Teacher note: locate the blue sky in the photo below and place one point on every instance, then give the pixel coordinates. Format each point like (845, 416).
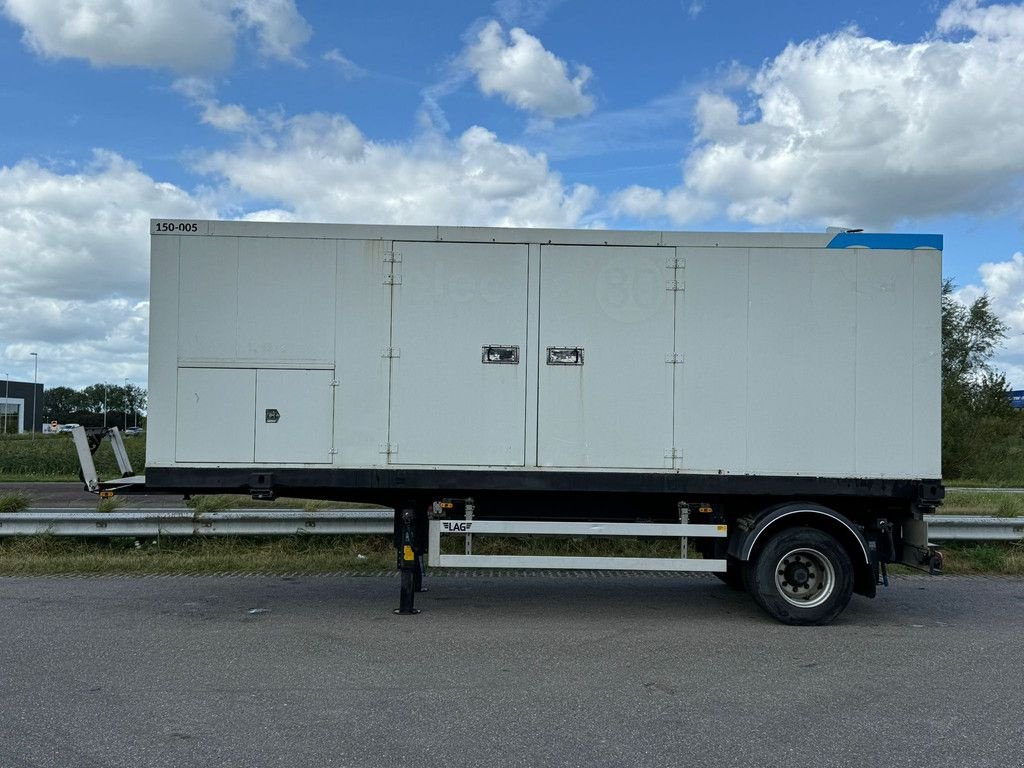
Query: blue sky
(692, 114)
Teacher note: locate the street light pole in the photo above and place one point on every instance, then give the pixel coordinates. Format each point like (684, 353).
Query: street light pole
(126, 405)
(104, 405)
(35, 378)
(7, 404)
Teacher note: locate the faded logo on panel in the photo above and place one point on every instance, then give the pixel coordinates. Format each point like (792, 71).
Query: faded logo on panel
(630, 290)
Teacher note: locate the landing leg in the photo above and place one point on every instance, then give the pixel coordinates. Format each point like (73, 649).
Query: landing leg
(422, 527)
(408, 562)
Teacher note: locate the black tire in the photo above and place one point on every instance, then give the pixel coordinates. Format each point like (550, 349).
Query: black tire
(733, 576)
(801, 576)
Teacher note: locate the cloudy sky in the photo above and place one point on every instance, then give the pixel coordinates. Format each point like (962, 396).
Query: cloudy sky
(691, 114)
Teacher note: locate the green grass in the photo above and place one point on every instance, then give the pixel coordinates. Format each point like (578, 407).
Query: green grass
(43, 555)
(14, 502)
(963, 557)
(109, 504)
(986, 504)
(215, 503)
(52, 458)
(224, 501)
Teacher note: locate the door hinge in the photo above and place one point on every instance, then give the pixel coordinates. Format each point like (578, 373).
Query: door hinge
(388, 449)
(332, 452)
(335, 383)
(391, 352)
(393, 276)
(676, 358)
(676, 262)
(675, 285)
(674, 454)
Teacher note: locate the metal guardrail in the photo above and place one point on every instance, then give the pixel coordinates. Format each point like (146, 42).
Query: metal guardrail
(974, 528)
(185, 522)
(340, 522)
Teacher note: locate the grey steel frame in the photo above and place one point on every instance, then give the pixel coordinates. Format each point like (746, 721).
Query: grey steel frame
(469, 528)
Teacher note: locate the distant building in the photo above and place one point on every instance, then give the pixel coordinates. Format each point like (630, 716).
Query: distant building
(1017, 398)
(16, 406)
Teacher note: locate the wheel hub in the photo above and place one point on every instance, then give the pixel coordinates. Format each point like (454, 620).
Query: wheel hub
(805, 578)
(798, 575)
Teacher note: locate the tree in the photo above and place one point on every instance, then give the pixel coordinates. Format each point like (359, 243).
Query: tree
(970, 336)
(976, 412)
(134, 400)
(61, 404)
(85, 406)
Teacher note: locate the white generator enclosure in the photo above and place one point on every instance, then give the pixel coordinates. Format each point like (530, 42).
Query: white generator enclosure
(771, 401)
(327, 347)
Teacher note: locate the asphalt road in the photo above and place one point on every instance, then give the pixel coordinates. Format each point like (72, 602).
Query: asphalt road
(579, 670)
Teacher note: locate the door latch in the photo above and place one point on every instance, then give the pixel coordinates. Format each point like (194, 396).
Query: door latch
(565, 355)
(508, 355)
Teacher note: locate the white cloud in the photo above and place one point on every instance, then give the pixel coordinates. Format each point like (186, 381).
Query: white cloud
(526, 75)
(232, 118)
(635, 200)
(853, 130)
(279, 28)
(321, 167)
(694, 8)
(185, 36)
(991, 21)
(79, 342)
(74, 267)
(646, 203)
(1003, 281)
(348, 68)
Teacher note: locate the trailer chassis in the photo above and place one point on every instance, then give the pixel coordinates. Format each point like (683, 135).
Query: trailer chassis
(800, 546)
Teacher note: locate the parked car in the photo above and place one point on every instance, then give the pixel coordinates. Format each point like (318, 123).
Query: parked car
(133, 431)
(67, 427)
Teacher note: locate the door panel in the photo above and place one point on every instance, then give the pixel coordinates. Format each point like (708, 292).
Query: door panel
(458, 371)
(606, 331)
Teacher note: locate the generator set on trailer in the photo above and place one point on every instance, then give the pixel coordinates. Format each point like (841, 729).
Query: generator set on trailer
(769, 400)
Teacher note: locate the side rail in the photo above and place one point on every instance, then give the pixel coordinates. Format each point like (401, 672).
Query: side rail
(471, 528)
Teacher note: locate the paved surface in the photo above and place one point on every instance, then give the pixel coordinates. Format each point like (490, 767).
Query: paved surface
(73, 496)
(582, 670)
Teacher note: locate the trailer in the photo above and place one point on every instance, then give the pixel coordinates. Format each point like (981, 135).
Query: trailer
(772, 400)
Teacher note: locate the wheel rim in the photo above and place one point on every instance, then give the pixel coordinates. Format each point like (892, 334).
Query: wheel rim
(805, 578)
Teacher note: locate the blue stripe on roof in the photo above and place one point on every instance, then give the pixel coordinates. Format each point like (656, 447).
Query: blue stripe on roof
(882, 240)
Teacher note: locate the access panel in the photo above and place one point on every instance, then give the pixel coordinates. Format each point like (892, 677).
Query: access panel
(227, 286)
(606, 356)
(294, 416)
(214, 415)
